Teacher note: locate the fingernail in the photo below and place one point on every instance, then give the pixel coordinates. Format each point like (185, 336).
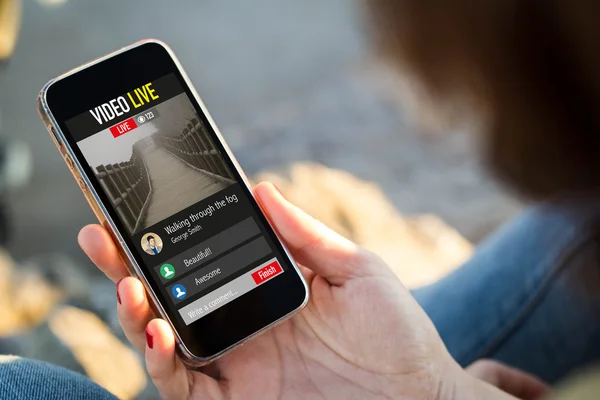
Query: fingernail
(149, 339)
(118, 296)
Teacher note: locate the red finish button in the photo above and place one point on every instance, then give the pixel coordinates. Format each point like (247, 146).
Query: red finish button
(123, 127)
(267, 272)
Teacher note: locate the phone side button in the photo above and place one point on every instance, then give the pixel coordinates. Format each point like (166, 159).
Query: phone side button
(82, 184)
(56, 137)
(69, 161)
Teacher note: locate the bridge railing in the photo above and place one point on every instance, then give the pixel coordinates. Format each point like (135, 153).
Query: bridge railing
(128, 187)
(195, 147)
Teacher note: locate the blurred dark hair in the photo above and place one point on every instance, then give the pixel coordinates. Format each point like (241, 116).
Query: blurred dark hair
(149, 238)
(530, 68)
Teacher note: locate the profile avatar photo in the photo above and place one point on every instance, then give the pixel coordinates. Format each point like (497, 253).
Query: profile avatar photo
(152, 243)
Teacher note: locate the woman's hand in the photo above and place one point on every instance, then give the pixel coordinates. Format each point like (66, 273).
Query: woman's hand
(361, 336)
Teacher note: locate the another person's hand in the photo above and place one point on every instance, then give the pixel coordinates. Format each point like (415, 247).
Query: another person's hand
(361, 336)
(518, 383)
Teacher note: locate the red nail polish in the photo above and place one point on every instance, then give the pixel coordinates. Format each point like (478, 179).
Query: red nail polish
(149, 338)
(118, 296)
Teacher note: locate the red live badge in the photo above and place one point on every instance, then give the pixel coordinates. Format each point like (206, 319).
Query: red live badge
(123, 127)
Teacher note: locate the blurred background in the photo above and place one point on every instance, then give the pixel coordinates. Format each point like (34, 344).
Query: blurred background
(299, 96)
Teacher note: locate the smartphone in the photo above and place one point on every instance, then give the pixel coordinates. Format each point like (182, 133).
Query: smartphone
(159, 176)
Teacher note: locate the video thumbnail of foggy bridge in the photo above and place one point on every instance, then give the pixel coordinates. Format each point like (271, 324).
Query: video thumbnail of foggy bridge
(164, 175)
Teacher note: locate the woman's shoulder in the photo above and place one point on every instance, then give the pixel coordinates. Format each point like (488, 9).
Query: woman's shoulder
(582, 386)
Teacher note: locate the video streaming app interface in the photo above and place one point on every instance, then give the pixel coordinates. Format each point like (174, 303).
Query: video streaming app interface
(177, 198)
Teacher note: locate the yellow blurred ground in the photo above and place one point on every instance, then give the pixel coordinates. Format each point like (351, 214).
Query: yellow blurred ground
(10, 20)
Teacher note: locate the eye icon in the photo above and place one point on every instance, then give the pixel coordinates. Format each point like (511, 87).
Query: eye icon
(141, 119)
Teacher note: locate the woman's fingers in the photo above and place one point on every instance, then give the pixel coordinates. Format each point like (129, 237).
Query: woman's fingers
(134, 311)
(154, 338)
(169, 375)
(100, 248)
(312, 244)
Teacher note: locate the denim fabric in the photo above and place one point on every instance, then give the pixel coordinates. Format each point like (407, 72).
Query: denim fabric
(22, 379)
(519, 299)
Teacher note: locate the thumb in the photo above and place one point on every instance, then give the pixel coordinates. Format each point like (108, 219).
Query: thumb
(311, 243)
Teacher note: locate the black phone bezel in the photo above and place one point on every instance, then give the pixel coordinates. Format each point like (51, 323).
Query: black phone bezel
(206, 338)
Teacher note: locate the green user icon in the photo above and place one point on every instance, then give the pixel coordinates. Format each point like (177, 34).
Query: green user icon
(167, 271)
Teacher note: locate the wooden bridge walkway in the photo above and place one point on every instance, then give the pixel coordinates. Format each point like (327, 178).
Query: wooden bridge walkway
(175, 185)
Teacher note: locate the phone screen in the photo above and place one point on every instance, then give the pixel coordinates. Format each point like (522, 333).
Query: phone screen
(180, 205)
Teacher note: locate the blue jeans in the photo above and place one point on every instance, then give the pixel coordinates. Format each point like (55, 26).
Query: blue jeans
(22, 379)
(518, 300)
(521, 298)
